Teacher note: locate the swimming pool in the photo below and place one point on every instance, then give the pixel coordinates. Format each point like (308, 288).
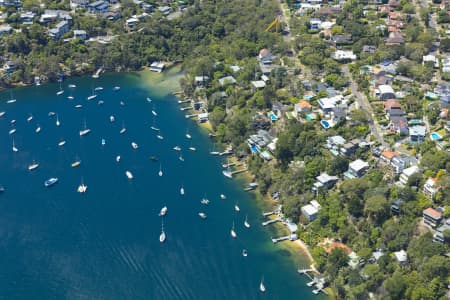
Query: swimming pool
(310, 117)
(435, 136)
(273, 117)
(325, 124)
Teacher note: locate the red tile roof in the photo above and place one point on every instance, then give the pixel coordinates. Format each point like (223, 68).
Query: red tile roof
(433, 213)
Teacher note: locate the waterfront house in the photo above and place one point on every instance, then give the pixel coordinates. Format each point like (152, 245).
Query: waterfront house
(432, 217)
(98, 7)
(59, 30)
(342, 39)
(203, 117)
(311, 210)
(228, 80)
(407, 173)
(5, 29)
(417, 134)
(201, 80)
(265, 56)
(324, 180)
(258, 141)
(439, 234)
(430, 188)
(401, 257)
(357, 168)
(80, 34)
(302, 107)
(157, 66)
(9, 67)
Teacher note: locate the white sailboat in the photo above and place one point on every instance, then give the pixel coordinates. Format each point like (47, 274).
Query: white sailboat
(58, 123)
(92, 97)
(103, 142)
(30, 118)
(182, 190)
(236, 207)
(159, 136)
(11, 99)
(163, 211)
(12, 131)
(233, 232)
(246, 223)
(111, 119)
(162, 236)
(262, 287)
(202, 215)
(129, 175)
(118, 158)
(14, 148)
(61, 143)
(223, 197)
(2, 113)
(61, 91)
(122, 131)
(188, 136)
(33, 166)
(153, 127)
(85, 130)
(160, 173)
(76, 163)
(134, 145)
(38, 128)
(244, 253)
(82, 188)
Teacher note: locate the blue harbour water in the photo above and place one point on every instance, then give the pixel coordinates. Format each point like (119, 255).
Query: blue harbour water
(58, 244)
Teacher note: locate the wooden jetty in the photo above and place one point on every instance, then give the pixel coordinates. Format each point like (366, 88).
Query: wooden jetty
(268, 213)
(271, 221)
(239, 171)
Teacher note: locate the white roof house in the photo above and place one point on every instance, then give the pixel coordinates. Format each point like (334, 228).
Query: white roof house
(446, 64)
(407, 173)
(327, 25)
(401, 256)
(157, 66)
(430, 58)
(357, 168)
(344, 55)
(310, 212)
(386, 92)
(227, 80)
(235, 68)
(5, 29)
(328, 104)
(258, 84)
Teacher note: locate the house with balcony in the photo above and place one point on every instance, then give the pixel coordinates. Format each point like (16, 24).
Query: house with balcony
(357, 169)
(432, 217)
(430, 188)
(98, 7)
(59, 30)
(324, 181)
(407, 173)
(417, 134)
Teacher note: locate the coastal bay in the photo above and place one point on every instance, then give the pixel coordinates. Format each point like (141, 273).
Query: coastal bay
(57, 243)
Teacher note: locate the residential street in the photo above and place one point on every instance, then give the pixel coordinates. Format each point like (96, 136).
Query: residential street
(364, 104)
